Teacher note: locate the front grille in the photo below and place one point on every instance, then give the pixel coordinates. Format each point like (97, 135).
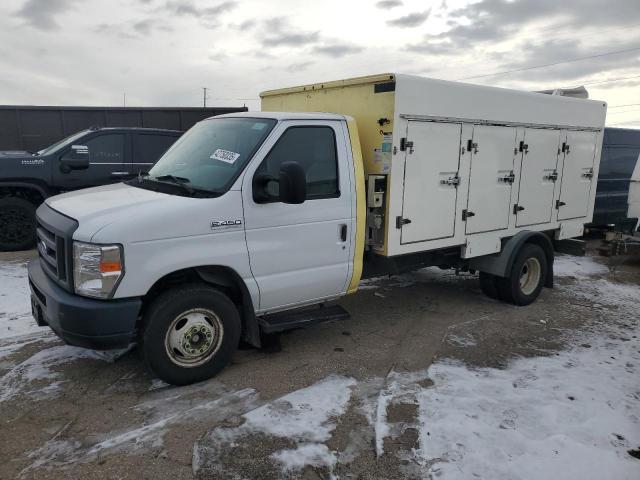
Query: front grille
(54, 232)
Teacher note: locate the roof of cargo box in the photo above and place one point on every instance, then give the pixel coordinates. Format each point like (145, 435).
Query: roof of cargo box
(412, 96)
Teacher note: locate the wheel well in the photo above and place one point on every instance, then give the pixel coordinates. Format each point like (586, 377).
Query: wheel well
(30, 194)
(223, 279)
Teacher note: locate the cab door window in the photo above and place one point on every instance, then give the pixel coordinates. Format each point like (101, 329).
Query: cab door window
(314, 148)
(106, 149)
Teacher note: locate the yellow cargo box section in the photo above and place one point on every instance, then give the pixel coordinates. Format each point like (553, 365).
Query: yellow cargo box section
(369, 100)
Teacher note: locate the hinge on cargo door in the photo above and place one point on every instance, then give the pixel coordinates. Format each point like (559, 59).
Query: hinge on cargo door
(455, 181)
(559, 204)
(509, 178)
(406, 145)
(517, 208)
(401, 221)
(471, 145)
(588, 173)
(466, 214)
(565, 148)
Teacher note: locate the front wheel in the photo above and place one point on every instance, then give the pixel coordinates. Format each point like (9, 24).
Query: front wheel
(190, 334)
(526, 278)
(17, 224)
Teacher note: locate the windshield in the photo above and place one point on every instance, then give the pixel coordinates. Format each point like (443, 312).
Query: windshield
(62, 143)
(213, 152)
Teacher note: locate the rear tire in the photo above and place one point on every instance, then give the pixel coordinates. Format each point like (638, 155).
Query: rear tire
(17, 224)
(526, 278)
(489, 285)
(190, 334)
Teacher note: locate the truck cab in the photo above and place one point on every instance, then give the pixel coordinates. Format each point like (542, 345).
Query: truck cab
(95, 156)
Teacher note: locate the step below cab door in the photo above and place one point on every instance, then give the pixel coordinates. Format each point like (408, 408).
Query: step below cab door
(432, 161)
(302, 253)
(579, 150)
(492, 155)
(538, 176)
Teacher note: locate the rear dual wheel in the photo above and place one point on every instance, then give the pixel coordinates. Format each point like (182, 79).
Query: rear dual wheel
(524, 281)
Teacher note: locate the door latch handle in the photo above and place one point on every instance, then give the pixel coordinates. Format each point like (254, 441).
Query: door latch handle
(343, 232)
(552, 176)
(517, 208)
(455, 181)
(508, 179)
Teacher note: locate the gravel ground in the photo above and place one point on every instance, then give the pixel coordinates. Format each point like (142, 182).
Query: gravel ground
(427, 379)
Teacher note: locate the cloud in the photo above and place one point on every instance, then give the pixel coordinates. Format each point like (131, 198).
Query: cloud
(337, 50)
(411, 20)
(278, 32)
(246, 25)
(190, 8)
(388, 4)
(41, 13)
(298, 67)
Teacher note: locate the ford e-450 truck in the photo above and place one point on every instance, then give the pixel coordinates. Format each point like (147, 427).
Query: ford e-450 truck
(252, 222)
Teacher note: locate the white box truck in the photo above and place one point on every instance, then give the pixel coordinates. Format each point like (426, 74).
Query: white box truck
(252, 222)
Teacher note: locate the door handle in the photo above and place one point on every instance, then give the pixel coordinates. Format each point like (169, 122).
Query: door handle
(343, 232)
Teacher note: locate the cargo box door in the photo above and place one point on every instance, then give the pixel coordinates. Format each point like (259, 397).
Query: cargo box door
(430, 181)
(538, 176)
(492, 155)
(577, 174)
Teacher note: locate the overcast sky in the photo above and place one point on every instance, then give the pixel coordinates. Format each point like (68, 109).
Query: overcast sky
(162, 52)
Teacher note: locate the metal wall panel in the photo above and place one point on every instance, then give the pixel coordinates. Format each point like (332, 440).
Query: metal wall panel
(34, 127)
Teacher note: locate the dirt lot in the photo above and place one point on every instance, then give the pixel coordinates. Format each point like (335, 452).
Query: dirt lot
(429, 378)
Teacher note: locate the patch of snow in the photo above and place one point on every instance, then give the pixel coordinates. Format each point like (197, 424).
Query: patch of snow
(305, 417)
(577, 267)
(171, 407)
(15, 302)
(36, 378)
(548, 417)
(313, 454)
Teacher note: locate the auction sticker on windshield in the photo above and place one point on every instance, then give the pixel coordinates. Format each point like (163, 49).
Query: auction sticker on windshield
(225, 155)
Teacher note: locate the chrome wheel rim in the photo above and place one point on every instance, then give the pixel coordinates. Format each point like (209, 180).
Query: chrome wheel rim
(530, 276)
(193, 337)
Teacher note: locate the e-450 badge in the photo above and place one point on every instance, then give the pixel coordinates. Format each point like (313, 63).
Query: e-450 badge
(225, 223)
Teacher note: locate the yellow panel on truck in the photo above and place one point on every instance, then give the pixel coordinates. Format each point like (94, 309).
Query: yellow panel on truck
(369, 100)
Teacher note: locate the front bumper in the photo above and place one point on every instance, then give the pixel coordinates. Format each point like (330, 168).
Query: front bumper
(80, 321)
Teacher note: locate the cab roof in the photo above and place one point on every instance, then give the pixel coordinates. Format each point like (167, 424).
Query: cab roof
(284, 115)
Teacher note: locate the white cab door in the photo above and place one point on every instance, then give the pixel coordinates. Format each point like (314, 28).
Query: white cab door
(489, 201)
(301, 253)
(538, 176)
(577, 175)
(430, 181)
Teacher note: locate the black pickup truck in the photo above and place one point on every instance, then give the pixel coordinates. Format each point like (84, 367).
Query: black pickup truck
(96, 156)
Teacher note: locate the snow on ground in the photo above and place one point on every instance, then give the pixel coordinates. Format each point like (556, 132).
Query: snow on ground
(305, 417)
(203, 402)
(578, 267)
(15, 303)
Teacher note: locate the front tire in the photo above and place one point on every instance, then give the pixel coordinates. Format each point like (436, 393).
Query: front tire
(17, 224)
(190, 334)
(527, 277)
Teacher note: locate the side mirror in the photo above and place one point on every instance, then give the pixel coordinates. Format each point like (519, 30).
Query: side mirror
(289, 187)
(75, 159)
(293, 183)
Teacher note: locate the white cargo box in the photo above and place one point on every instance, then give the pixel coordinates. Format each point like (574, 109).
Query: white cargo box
(452, 164)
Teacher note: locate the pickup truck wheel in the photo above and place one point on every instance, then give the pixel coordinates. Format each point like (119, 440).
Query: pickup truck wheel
(527, 276)
(489, 285)
(17, 224)
(189, 334)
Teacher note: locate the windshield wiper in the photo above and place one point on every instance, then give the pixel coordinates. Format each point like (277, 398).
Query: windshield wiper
(181, 181)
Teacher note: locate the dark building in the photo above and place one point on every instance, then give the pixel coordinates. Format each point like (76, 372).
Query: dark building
(33, 128)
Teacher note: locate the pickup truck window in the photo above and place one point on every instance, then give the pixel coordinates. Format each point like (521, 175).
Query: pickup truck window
(150, 147)
(60, 144)
(106, 148)
(314, 148)
(213, 152)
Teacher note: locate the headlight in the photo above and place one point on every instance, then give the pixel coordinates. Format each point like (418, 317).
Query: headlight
(97, 269)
